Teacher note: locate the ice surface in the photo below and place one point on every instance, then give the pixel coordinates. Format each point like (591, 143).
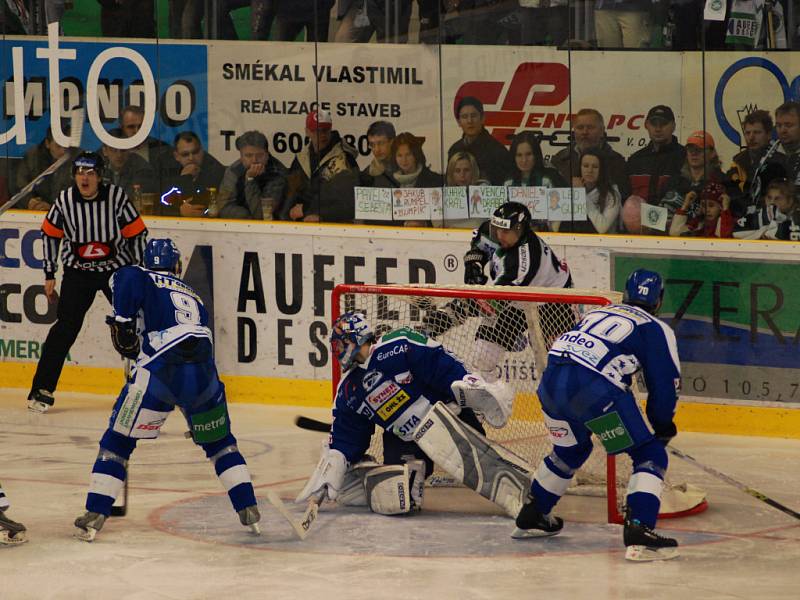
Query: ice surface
(181, 539)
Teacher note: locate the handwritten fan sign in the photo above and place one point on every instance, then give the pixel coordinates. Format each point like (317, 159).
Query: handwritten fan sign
(373, 204)
(484, 199)
(455, 203)
(566, 204)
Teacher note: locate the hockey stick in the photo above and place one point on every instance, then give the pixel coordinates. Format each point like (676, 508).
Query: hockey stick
(76, 129)
(312, 424)
(301, 527)
(737, 484)
(121, 509)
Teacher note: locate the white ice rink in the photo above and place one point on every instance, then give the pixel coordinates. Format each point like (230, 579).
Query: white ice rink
(182, 540)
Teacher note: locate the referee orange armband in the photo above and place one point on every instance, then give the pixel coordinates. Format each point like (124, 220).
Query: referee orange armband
(133, 228)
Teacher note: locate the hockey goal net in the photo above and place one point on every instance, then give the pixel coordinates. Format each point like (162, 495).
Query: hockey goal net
(503, 333)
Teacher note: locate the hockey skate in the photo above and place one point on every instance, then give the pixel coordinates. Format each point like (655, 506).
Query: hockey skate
(644, 544)
(40, 401)
(11, 532)
(531, 523)
(250, 517)
(88, 525)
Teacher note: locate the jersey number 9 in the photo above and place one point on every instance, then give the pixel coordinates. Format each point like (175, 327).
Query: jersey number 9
(186, 310)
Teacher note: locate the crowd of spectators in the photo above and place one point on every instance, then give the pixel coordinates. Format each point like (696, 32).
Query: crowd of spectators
(580, 24)
(665, 188)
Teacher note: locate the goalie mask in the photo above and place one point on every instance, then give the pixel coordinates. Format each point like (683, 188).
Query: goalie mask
(509, 223)
(162, 255)
(350, 331)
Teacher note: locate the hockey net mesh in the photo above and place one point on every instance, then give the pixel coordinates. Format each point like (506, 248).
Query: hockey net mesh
(502, 339)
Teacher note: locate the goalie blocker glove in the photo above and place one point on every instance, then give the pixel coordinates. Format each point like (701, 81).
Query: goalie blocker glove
(492, 400)
(123, 336)
(327, 478)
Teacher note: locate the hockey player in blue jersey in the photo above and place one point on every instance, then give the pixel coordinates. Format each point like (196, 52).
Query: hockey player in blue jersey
(585, 389)
(161, 323)
(413, 388)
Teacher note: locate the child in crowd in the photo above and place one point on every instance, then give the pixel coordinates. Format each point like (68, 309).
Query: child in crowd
(712, 216)
(777, 219)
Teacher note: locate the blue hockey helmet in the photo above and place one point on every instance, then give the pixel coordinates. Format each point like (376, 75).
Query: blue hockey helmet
(644, 289)
(350, 331)
(162, 255)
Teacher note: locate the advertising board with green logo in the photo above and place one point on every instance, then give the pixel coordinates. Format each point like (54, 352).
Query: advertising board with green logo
(737, 323)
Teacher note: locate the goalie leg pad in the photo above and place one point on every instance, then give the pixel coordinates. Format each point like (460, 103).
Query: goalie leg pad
(388, 489)
(488, 468)
(353, 492)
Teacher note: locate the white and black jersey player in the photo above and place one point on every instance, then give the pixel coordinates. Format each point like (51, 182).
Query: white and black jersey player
(515, 256)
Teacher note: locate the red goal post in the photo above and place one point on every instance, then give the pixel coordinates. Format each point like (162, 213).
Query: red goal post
(462, 318)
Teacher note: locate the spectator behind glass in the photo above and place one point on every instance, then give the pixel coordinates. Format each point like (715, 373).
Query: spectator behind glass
(185, 19)
(379, 136)
(712, 214)
(651, 168)
(529, 169)
(312, 15)
(409, 169)
(589, 133)
(463, 171)
(254, 186)
(126, 169)
(36, 160)
(323, 175)
(151, 149)
(759, 152)
(787, 125)
(543, 23)
(493, 158)
(603, 201)
(777, 216)
(16, 18)
(192, 173)
(702, 166)
(389, 20)
(127, 18)
(624, 23)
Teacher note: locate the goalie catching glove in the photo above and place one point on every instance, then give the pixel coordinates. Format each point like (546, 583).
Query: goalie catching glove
(123, 336)
(328, 478)
(492, 400)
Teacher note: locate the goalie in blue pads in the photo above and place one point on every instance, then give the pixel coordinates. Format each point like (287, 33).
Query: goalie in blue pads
(413, 388)
(585, 389)
(160, 323)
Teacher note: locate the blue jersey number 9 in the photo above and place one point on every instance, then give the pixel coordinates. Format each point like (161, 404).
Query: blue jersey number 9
(186, 310)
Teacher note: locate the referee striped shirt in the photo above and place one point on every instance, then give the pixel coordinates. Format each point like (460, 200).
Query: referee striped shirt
(99, 235)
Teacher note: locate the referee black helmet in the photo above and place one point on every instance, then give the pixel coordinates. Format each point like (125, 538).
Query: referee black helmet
(90, 161)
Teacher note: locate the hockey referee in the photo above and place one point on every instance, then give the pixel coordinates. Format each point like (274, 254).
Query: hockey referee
(101, 232)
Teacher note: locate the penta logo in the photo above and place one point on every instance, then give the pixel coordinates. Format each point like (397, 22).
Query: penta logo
(93, 251)
(534, 84)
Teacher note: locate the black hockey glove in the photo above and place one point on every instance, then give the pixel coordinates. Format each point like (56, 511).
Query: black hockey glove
(124, 338)
(664, 432)
(473, 269)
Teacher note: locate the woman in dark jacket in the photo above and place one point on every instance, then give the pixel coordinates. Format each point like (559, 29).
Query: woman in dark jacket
(409, 169)
(529, 169)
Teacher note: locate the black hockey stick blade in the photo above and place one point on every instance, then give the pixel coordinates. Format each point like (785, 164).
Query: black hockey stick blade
(312, 424)
(737, 484)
